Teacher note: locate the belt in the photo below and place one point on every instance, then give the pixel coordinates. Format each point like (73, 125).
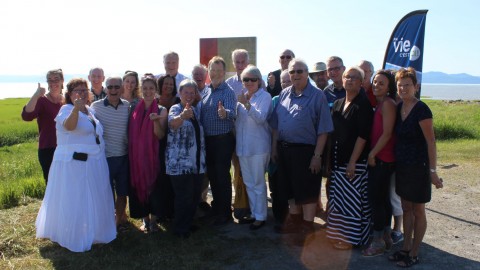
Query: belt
(284, 144)
(220, 135)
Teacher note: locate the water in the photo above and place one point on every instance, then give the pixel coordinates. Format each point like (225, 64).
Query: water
(432, 91)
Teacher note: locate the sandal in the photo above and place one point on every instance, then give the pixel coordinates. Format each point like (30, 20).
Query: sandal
(399, 255)
(408, 262)
(342, 245)
(145, 226)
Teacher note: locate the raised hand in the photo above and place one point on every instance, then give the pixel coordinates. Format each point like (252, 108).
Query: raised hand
(187, 112)
(40, 91)
(242, 98)
(79, 103)
(222, 113)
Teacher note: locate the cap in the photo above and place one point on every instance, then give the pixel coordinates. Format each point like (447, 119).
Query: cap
(320, 66)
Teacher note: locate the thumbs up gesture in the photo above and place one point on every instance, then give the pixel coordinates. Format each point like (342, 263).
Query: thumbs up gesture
(222, 113)
(40, 91)
(187, 112)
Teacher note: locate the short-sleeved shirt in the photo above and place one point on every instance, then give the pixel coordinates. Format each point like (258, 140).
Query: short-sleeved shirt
(411, 147)
(115, 123)
(102, 95)
(354, 122)
(182, 146)
(300, 119)
(211, 122)
(45, 112)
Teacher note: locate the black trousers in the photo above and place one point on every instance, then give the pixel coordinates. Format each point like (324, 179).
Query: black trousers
(187, 188)
(45, 157)
(219, 150)
(379, 193)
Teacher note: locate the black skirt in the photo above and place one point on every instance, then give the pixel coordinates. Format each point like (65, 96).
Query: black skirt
(413, 182)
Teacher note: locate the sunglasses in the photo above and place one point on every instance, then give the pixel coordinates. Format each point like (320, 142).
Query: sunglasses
(286, 56)
(298, 71)
(110, 87)
(250, 79)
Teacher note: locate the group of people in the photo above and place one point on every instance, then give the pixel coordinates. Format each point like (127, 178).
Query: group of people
(140, 138)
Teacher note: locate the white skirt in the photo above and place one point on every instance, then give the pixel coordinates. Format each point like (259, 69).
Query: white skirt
(78, 210)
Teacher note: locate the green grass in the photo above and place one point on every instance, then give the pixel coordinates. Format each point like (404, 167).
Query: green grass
(20, 174)
(459, 120)
(14, 130)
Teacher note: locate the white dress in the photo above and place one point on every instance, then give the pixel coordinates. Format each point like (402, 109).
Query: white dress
(78, 210)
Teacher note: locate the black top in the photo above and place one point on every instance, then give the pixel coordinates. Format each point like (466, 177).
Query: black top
(356, 121)
(278, 86)
(411, 146)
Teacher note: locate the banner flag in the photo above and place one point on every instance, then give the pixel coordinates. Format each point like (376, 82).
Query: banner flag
(405, 47)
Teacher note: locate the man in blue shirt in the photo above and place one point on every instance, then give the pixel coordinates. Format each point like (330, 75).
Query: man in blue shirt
(335, 69)
(218, 116)
(300, 123)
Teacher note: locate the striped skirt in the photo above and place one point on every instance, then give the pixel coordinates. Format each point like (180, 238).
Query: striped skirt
(349, 212)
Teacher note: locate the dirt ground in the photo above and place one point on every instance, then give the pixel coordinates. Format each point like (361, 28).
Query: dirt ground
(452, 240)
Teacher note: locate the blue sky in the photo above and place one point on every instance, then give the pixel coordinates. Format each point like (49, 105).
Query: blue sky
(120, 35)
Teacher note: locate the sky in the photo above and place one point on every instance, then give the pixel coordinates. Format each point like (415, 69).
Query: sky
(120, 35)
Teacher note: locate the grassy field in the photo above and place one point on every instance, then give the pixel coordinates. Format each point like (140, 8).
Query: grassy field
(235, 247)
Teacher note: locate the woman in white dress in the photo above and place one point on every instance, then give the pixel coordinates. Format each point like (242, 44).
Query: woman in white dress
(77, 210)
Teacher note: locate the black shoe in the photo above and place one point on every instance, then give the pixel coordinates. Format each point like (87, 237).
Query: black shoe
(222, 221)
(246, 220)
(307, 227)
(288, 227)
(254, 227)
(204, 206)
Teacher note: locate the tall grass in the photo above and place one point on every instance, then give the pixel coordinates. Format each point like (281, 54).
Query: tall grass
(453, 121)
(14, 130)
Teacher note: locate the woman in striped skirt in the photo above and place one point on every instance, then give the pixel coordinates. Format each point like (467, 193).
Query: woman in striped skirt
(348, 208)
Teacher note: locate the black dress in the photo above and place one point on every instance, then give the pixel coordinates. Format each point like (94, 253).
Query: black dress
(413, 182)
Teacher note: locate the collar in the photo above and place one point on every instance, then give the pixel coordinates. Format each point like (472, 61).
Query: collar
(107, 103)
(307, 91)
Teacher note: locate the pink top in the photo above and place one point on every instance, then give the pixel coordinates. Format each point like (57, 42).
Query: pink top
(45, 112)
(387, 152)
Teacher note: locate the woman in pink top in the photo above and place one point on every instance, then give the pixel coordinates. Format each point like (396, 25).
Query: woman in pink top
(44, 107)
(381, 161)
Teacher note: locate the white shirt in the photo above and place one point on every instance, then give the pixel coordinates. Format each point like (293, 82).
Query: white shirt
(253, 133)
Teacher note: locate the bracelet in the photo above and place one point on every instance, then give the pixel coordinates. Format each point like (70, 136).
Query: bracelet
(433, 171)
(317, 156)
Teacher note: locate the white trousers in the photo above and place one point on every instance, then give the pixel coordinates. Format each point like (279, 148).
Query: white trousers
(253, 173)
(395, 199)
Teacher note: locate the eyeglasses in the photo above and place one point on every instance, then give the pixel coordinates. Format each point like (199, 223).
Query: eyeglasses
(298, 71)
(286, 56)
(336, 69)
(80, 91)
(350, 78)
(110, 87)
(250, 79)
